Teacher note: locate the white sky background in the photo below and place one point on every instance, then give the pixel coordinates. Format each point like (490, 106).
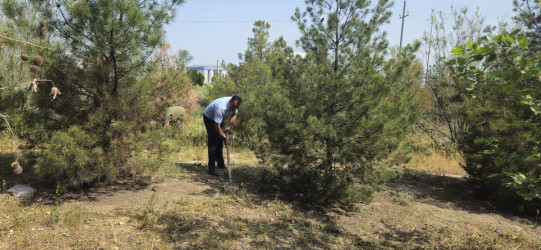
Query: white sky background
(214, 30)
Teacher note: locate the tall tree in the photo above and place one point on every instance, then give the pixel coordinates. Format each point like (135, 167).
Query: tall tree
(529, 15)
(344, 106)
(183, 58)
(103, 46)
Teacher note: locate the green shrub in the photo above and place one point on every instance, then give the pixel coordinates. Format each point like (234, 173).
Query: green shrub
(72, 159)
(196, 77)
(501, 146)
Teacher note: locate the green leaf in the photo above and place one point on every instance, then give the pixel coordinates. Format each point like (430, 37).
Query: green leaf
(523, 42)
(499, 161)
(458, 50)
(526, 135)
(461, 61)
(464, 80)
(515, 32)
(510, 38)
(496, 38)
(482, 40)
(491, 57)
(489, 151)
(495, 85)
(450, 63)
(494, 175)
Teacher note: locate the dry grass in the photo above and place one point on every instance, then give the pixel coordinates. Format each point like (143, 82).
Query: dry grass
(429, 159)
(438, 163)
(50, 227)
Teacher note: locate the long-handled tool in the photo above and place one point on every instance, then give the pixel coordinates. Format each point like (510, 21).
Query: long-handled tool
(229, 186)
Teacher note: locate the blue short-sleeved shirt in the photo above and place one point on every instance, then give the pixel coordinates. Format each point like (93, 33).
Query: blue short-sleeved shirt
(218, 109)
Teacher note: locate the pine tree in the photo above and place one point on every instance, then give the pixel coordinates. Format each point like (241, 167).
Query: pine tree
(529, 16)
(264, 64)
(100, 61)
(345, 106)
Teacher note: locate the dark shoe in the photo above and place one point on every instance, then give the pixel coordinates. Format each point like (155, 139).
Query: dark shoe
(212, 171)
(222, 167)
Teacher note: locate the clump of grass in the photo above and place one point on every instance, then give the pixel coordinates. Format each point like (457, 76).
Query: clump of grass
(150, 213)
(243, 196)
(74, 216)
(403, 198)
(476, 242)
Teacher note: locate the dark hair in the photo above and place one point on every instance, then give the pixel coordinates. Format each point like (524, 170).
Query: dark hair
(236, 98)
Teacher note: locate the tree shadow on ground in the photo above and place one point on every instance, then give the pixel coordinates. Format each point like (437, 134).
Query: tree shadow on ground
(186, 231)
(49, 196)
(260, 181)
(92, 193)
(448, 192)
(262, 184)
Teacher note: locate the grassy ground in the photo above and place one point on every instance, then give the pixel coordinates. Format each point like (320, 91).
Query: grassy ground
(185, 208)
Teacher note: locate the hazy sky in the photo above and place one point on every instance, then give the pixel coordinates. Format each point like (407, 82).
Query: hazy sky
(219, 29)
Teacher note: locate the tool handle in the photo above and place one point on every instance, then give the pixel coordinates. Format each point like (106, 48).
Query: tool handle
(228, 159)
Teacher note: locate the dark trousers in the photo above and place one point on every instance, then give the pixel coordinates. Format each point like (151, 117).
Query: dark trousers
(215, 144)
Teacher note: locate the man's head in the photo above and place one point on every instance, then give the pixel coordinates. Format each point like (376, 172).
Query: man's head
(234, 102)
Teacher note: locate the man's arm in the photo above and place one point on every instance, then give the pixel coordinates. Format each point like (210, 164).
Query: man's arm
(231, 122)
(221, 133)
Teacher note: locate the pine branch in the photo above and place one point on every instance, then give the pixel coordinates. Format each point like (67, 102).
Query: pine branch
(24, 42)
(27, 83)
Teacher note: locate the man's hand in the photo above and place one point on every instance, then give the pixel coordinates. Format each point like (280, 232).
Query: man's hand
(228, 129)
(226, 142)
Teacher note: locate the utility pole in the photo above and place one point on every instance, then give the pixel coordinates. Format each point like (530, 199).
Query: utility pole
(428, 57)
(402, 30)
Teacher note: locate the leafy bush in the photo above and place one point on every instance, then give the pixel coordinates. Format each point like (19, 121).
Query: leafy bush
(501, 148)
